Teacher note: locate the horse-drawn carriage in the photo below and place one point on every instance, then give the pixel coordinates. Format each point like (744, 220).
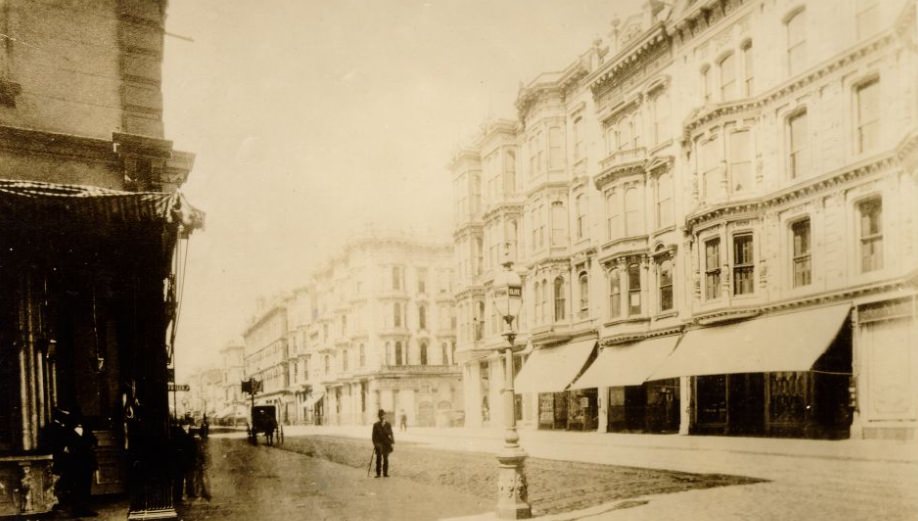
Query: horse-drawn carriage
(264, 421)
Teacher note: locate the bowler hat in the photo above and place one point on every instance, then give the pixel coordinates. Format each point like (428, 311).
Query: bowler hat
(381, 413)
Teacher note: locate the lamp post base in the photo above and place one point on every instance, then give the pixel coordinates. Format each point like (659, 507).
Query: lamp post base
(512, 490)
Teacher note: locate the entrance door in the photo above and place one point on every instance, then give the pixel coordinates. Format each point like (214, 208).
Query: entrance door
(746, 403)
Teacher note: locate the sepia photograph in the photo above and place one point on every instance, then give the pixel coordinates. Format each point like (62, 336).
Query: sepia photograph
(458, 260)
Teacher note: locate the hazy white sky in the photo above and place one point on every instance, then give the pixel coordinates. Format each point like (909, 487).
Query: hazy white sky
(311, 118)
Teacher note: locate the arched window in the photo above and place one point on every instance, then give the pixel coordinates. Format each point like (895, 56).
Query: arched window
(634, 289)
(543, 302)
(665, 283)
(584, 280)
(613, 214)
(560, 301)
(632, 212)
(664, 200)
(580, 225)
(796, 42)
(423, 350)
(615, 294)
(398, 353)
(422, 316)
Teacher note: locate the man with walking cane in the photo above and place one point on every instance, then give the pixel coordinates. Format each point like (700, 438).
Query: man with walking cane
(383, 440)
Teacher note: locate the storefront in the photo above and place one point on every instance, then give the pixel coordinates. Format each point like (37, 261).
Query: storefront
(784, 375)
(548, 373)
(88, 279)
(634, 404)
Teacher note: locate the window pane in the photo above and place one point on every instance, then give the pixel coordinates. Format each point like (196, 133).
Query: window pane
(868, 115)
(796, 43)
(632, 212)
(712, 268)
(798, 145)
(743, 269)
(728, 78)
(740, 161)
(749, 67)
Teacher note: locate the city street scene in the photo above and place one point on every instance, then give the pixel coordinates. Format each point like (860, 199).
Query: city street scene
(458, 260)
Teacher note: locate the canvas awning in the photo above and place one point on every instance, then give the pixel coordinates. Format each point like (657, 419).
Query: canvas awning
(312, 400)
(787, 342)
(32, 201)
(552, 369)
(630, 364)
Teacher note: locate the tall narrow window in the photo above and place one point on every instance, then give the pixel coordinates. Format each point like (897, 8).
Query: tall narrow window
(867, 17)
(664, 200)
(728, 77)
(661, 117)
(748, 69)
(555, 148)
(743, 265)
(580, 204)
(560, 301)
(871, 234)
(444, 354)
(540, 216)
(706, 84)
(396, 315)
(533, 156)
(634, 289)
(584, 280)
(800, 232)
(543, 302)
(797, 143)
(537, 291)
(711, 157)
(633, 209)
(868, 116)
(615, 294)
(344, 360)
(423, 354)
(398, 354)
(665, 278)
(396, 278)
(422, 280)
(363, 355)
(510, 241)
(577, 129)
(796, 43)
(740, 161)
(613, 211)
(558, 224)
(712, 269)
(422, 316)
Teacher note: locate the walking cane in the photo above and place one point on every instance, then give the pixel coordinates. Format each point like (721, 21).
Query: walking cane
(370, 465)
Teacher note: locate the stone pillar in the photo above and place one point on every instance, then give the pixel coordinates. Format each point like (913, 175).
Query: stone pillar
(602, 397)
(685, 402)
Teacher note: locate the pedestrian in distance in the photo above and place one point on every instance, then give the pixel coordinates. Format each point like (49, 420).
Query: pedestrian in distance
(57, 434)
(270, 427)
(402, 421)
(383, 440)
(200, 481)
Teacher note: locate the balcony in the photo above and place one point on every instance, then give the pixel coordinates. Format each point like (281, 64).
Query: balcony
(621, 163)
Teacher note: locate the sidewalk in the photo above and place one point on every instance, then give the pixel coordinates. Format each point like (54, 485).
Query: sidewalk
(812, 479)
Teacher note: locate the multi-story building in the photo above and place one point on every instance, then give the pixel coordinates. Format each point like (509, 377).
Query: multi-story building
(232, 404)
(266, 356)
(373, 329)
(719, 196)
(90, 221)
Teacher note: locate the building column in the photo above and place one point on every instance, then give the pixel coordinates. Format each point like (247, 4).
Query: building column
(685, 401)
(602, 399)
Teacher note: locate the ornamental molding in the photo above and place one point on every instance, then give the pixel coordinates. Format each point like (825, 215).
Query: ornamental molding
(702, 17)
(709, 113)
(468, 228)
(547, 186)
(618, 171)
(549, 84)
(628, 59)
(636, 336)
(503, 209)
(36, 142)
(820, 184)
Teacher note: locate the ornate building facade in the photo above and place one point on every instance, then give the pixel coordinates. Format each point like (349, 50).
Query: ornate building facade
(374, 329)
(713, 220)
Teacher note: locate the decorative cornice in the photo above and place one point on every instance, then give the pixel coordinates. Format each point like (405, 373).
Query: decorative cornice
(819, 184)
(503, 208)
(468, 228)
(546, 186)
(709, 113)
(726, 315)
(633, 54)
(624, 338)
(48, 143)
(618, 171)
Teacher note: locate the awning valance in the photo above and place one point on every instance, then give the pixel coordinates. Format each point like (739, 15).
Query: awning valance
(25, 201)
(786, 342)
(630, 364)
(552, 369)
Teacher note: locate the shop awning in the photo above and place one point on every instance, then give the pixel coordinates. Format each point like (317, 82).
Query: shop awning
(312, 400)
(552, 369)
(787, 342)
(23, 201)
(631, 364)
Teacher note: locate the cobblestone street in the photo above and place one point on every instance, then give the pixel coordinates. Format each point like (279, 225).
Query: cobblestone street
(554, 486)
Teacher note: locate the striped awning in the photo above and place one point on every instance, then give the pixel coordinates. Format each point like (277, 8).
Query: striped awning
(32, 201)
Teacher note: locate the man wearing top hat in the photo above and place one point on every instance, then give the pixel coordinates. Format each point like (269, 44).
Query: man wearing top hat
(382, 444)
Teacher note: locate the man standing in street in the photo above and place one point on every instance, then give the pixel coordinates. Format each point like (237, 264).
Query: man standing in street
(383, 440)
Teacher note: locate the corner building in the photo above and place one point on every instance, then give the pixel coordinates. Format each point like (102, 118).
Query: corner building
(715, 227)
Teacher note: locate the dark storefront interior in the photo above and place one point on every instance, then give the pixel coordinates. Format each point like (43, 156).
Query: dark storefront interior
(810, 404)
(569, 410)
(652, 407)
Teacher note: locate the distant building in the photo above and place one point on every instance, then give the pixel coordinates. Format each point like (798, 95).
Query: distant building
(90, 222)
(713, 214)
(372, 330)
(233, 405)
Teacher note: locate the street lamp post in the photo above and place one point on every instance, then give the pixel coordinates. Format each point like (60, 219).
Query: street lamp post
(512, 492)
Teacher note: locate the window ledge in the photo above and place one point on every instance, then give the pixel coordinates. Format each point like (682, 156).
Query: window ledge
(617, 321)
(668, 314)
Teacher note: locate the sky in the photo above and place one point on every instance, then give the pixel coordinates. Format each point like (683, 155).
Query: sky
(313, 119)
